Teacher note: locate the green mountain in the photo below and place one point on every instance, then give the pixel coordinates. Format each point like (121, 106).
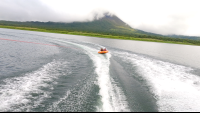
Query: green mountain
(185, 37)
(108, 26)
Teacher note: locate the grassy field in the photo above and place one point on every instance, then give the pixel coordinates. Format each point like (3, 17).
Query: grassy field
(96, 35)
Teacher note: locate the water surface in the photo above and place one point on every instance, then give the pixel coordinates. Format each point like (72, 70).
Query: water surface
(56, 72)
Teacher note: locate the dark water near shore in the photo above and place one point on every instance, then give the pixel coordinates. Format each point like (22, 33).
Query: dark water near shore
(55, 72)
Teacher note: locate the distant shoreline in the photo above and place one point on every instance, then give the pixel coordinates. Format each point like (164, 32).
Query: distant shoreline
(96, 35)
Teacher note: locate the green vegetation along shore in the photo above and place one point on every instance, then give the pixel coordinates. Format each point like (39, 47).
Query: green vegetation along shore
(162, 40)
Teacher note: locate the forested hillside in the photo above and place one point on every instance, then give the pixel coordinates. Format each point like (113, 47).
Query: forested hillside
(107, 25)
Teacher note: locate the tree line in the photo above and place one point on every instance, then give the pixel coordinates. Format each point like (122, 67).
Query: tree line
(100, 27)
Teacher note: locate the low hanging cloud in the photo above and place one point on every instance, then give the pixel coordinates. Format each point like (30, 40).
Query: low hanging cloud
(31, 10)
(175, 24)
(37, 10)
(156, 16)
(21, 10)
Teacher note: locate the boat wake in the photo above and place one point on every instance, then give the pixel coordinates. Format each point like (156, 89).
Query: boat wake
(27, 91)
(112, 97)
(174, 86)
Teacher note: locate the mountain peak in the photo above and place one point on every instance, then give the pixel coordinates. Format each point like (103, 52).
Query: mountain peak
(111, 18)
(98, 16)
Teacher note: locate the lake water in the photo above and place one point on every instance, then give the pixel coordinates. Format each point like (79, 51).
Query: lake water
(48, 72)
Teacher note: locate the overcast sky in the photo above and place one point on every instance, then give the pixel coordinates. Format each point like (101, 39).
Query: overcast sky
(181, 17)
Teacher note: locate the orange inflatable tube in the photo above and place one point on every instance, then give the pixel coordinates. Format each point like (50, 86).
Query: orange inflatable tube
(103, 52)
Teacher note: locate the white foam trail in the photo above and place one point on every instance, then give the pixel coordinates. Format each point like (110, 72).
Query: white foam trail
(112, 97)
(174, 87)
(17, 91)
